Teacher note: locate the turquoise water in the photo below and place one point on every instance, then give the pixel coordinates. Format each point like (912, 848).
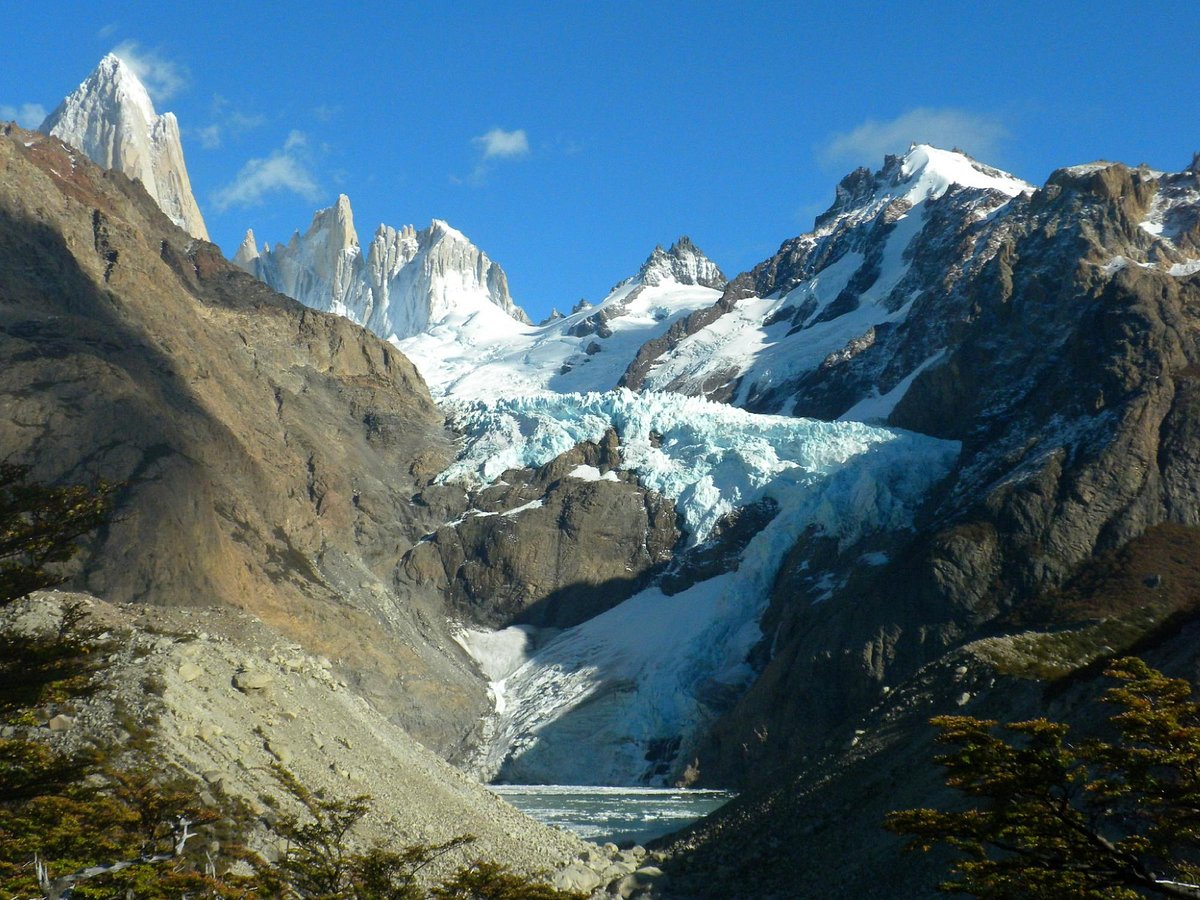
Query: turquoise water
(622, 815)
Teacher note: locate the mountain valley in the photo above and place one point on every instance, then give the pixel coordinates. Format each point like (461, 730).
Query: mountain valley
(940, 454)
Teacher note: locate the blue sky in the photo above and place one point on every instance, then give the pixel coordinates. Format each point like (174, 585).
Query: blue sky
(567, 139)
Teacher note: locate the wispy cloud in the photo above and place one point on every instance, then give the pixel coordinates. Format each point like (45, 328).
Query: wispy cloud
(501, 144)
(325, 112)
(162, 77)
(107, 31)
(210, 136)
(494, 146)
(946, 127)
(227, 122)
(286, 170)
(27, 115)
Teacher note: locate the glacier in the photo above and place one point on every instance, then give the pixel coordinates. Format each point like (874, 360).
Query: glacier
(596, 703)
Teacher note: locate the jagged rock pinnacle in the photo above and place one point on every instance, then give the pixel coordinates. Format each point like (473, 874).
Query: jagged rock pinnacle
(111, 119)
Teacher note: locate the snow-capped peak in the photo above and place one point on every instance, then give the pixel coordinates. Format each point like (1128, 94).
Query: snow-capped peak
(440, 228)
(684, 263)
(111, 119)
(923, 173)
(927, 172)
(332, 230)
(115, 77)
(403, 283)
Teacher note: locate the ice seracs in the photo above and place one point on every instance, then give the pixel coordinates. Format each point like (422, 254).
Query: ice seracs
(599, 702)
(406, 281)
(112, 120)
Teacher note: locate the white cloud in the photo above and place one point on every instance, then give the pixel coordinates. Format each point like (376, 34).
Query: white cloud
(210, 136)
(27, 115)
(496, 144)
(107, 31)
(162, 77)
(501, 144)
(227, 122)
(978, 135)
(286, 170)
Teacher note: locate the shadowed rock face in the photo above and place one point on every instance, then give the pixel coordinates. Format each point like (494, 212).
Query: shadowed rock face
(268, 452)
(547, 549)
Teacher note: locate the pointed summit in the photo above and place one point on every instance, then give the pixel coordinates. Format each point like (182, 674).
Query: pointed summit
(247, 254)
(400, 284)
(923, 173)
(684, 263)
(111, 119)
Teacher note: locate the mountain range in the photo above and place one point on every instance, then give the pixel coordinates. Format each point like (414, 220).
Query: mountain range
(938, 454)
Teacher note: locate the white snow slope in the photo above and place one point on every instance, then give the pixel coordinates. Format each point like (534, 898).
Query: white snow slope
(741, 345)
(466, 360)
(111, 119)
(589, 704)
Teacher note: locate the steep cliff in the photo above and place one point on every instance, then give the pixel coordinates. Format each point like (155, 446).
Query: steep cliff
(268, 453)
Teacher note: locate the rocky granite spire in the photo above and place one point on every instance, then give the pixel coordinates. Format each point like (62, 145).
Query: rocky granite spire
(405, 282)
(684, 263)
(247, 254)
(111, 119)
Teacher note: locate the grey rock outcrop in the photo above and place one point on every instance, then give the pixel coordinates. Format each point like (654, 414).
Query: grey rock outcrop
(547, 549)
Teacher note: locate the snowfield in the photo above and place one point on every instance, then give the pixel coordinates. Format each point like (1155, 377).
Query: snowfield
(591, 702)
(485, 357)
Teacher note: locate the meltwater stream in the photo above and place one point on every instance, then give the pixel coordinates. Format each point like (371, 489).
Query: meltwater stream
(623, 815)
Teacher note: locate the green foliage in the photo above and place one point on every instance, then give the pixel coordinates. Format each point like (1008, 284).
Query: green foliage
(70, 813)
(1048, 817)
(37, 669)
(320, 862)
(483, 880)
(39, 525)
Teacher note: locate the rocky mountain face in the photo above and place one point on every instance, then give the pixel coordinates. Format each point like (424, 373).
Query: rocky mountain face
(111, 119)
(544, 548)
(821, 326)
(1066, 360)
(683, 264)
(268, 453)
(406, 282)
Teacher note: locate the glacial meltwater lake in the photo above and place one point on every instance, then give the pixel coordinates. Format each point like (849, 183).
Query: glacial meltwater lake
(623, 815)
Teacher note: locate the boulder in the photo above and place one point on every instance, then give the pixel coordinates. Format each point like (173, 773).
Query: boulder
(576, 877)
(253, 680)
(640, 882)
